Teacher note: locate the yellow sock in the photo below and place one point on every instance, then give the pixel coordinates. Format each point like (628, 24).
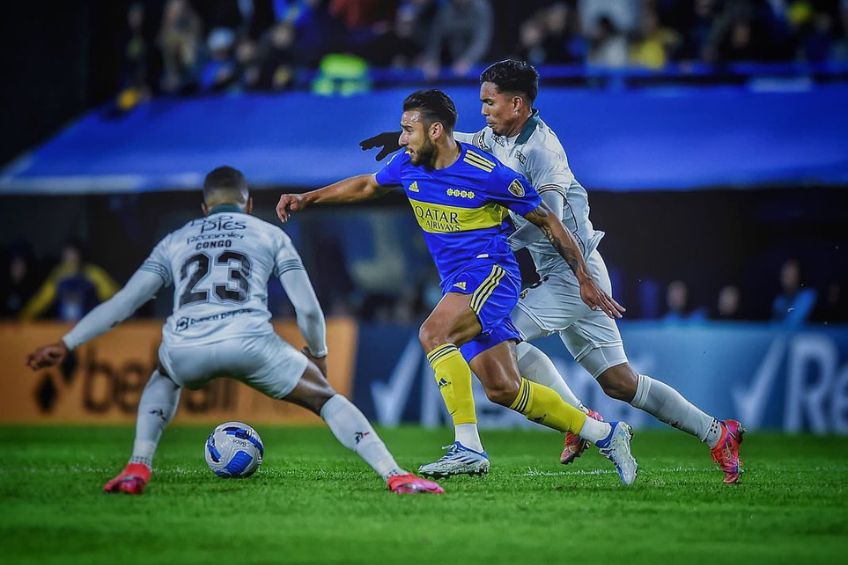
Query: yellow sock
(453, 375)
(544, 406)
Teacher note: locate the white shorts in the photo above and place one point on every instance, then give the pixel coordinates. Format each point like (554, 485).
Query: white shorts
(555, 306)
(264, 362)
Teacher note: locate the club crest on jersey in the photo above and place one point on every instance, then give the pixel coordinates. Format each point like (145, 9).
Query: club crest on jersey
(516, 188)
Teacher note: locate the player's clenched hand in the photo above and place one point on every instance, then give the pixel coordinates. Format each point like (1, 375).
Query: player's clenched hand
(289, 203)
(320, 362)
(47, 356)
(389, 141)
(597, 299)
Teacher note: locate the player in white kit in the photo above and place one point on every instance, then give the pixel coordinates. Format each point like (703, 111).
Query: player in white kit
(518, 137)
(219, 266)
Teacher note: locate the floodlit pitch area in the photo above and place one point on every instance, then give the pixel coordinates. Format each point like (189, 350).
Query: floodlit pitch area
(313, 501)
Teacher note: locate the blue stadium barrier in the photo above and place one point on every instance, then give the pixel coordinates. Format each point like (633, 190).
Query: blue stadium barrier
(668, 138)
(761, 374)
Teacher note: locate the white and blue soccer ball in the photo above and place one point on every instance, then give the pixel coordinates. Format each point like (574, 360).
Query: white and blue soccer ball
(234, 450)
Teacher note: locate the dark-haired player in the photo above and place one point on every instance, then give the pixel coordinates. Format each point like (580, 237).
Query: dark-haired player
(518, 137)
(219, 266)
(460, 196)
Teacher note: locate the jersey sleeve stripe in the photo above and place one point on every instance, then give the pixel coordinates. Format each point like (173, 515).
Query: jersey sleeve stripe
(290, 265)
(474, 155)
(478, 164)
(549, 187)
(157, 269)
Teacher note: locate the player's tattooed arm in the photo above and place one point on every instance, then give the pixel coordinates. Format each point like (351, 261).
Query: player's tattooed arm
(544, 218)
(529, 233)
(565, 244)
(353, 189)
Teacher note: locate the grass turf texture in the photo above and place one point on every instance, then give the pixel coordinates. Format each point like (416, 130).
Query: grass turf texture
(313, 501)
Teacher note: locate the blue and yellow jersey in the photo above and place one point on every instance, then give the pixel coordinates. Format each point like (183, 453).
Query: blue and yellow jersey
(463, 208)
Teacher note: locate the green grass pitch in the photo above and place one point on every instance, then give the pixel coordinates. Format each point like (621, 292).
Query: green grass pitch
(314, 502)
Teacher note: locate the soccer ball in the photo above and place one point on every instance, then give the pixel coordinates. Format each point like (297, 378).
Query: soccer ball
(234, 450)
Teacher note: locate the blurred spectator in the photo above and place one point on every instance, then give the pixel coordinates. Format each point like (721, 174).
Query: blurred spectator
(677, 302)
(399, 46)
(740, 32)
(276, 63)
(531, 37)
(727, 305)
(179, 40)
(72, 288)
(404, 34)
(19, 283)
(607, 46)
(318, 33)
(248, 63)
(424, 14)
(814, 30)
(690, 21)
(248, 18)
(623, 15)
(357, 14)
(654, 44)
(219, 73)
(841, 48)
(558, 22)
(545, 37)
(136, 87)
(462, 31)
(794, 304)
(833, 306)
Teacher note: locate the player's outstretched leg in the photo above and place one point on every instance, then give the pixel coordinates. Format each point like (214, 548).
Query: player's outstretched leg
(535, 366)
(669, 406)
(497, 370)
(155, 410)
(354, 431)
(726, 451)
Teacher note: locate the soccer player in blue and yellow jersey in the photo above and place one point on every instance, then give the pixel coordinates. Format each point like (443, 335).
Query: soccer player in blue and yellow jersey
(461, 196)
(518, 137)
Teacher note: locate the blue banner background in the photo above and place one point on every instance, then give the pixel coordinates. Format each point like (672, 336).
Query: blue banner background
(761, 374)
(670, 138)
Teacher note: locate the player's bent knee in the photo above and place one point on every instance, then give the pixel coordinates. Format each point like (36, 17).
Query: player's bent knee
(312, 390)
(430, 336)
(502, 392)
(619, 382)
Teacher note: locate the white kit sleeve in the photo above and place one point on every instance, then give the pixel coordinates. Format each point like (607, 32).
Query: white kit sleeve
(141, 287)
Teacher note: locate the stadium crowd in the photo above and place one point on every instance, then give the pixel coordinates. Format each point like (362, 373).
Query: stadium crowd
(185, 47)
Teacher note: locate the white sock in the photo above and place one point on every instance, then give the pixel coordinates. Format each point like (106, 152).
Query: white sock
(353, 431)
(156, 408)
(537, 367)
(667, 405)
(594, 430)
(467, 435)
